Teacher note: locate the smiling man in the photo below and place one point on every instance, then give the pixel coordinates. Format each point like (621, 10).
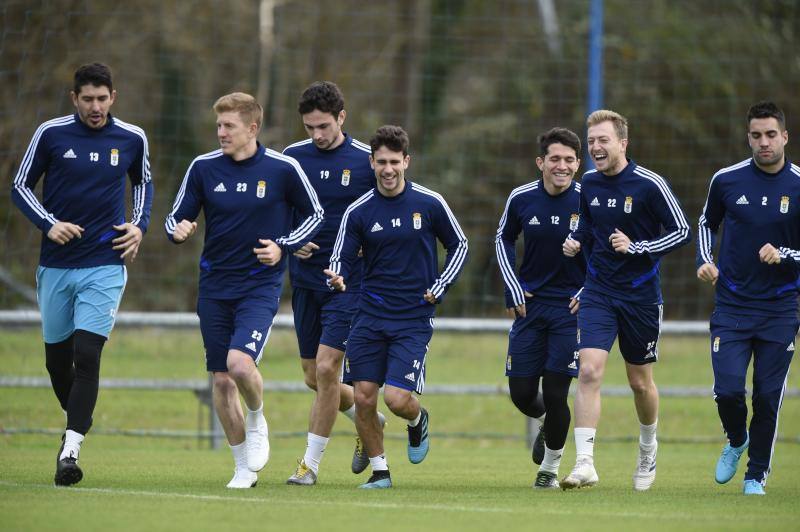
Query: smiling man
(85, 241)
(338, 168)
(541, 343)
(624, 207)
(756, 283)
(248, 194)
(397, 225)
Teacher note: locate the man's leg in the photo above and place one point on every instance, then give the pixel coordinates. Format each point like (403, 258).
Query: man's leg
(645, 397)
(773, 352)
(555, 389)
(640, 328)
(323, 414)
(371, 433)
(587, 414)
(525, 362)
(229, 411)
(97, 294)
(731, 350)
(524, 392)
(645, 392)
(242, 369)
(59, 360)
(309, 366)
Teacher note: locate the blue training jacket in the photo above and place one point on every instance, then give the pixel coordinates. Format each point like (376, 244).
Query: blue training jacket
(339, 177)
(641, 204)
(244, 201)
(398, 238)
(755, 208)
(84, 183)
(545, 221)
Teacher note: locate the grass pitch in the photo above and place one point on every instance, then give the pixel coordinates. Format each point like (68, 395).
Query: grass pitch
(464, 484)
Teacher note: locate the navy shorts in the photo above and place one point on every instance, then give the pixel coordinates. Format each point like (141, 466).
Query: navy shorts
(388, 351)
(322, 318)
(243, 324)
(736, 338)
(601, 319)
(543, 340)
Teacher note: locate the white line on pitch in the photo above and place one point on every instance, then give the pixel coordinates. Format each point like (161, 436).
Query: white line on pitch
(536, 509)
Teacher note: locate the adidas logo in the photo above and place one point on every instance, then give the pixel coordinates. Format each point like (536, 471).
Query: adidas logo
(742, 200)
(375, 228)
(534, 221)
(572, 365)
(590, 440)
(251, 346)
(791, 347)
(69, 154)
(650, 354)
(220, 188)
(595, 202)
(410, 377)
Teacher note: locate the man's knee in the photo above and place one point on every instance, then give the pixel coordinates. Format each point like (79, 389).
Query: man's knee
(365, 399)
(224, 384)
(396, 399)
(88, 347)
(240, 365)
(329, 361)
(309, 372)
(641, 384)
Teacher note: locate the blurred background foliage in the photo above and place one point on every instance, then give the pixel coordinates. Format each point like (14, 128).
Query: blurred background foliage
(474, 83)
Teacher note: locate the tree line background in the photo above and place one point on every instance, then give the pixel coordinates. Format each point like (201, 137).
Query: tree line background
(473, 82)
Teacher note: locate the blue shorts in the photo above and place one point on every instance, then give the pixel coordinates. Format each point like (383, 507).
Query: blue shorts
(322, 318)
(735, 338)
(601, 319)
(543, 340)
(243, 324)
(79, 298)
(388, 350)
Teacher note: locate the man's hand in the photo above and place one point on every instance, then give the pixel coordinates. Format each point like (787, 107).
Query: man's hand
(63, 232)
(183, 231)
(574, 304)
(769, 254)
(335, 281)
(306, 251)
(129, 242)
(570, 247)
(270, 254)
(708, 273)
(519, 310)
(429, 297)
(619, 241)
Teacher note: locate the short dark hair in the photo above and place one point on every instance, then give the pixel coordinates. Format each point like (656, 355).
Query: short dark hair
(393, 137)
(559, 135)
(323, 96)
(766, 109)
(96, 74)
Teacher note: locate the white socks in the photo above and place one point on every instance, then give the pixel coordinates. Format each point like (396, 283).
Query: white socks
(240, 455)
(414, 422)
(350, 412)
(315, 446)
(72, 444)
(254, 416)
(647, 435)
(379, 463)
(552, 459)
(584, 442)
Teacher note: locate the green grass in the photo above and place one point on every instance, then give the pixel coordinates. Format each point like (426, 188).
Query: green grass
(146, 483)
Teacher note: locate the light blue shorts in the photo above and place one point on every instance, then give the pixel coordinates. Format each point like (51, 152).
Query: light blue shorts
(79, 298)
